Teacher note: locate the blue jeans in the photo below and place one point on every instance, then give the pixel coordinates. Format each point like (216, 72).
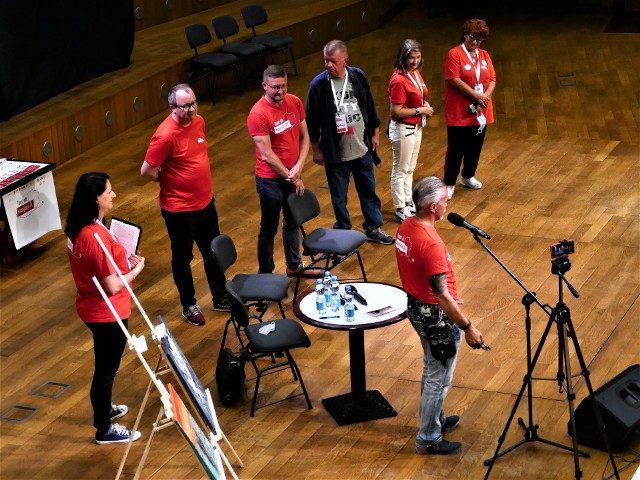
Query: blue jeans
(273, 193)
(184, 228)
(436, 382)
(338, 179)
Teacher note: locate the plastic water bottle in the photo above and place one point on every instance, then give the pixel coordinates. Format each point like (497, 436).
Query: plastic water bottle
(335, 294)
(327, 287)
(321, 303)
(349, 307)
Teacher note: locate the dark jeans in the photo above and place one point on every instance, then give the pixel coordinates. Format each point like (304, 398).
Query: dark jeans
(273, 193)
(338, 178)
(462, 143)
(108, 345)
(184, 228)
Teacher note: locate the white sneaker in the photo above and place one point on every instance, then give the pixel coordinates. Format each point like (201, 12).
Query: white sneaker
(403, 214)
(412, 208)
(450, 191)
(471, 182)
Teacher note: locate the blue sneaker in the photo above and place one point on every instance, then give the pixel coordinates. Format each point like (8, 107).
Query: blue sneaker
(450, 423)
(117, 434)
(118, 411)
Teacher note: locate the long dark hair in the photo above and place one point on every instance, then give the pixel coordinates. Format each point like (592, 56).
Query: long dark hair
(84, 208)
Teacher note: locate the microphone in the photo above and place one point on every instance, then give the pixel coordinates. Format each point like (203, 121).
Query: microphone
(357, 296)
(459, 221)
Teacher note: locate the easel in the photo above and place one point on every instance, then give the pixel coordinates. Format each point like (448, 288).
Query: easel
(139, 345)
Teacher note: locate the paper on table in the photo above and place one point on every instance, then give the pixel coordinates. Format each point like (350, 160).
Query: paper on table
(127, 233)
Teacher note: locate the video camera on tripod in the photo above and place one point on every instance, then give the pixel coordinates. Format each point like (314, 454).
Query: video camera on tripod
(560, 256)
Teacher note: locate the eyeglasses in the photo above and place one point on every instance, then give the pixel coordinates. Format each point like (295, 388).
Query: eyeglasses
(277, 88)
(187, 106)
(475, 39)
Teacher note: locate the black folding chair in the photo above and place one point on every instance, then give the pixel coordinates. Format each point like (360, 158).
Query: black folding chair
(286, 335)
(328, 245)
(255, 15)
(226, 26)
(209, 65)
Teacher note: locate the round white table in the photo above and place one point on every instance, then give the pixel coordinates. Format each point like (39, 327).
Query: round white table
(360, 404)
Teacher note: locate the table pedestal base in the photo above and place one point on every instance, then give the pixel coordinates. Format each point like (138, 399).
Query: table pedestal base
(361, 407)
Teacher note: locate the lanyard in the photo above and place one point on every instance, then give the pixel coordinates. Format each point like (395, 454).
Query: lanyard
(110, 233)
(418, 85)
(344, 90)
(476, 65)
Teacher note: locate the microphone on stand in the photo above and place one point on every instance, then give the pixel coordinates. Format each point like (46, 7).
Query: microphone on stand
(459, 221)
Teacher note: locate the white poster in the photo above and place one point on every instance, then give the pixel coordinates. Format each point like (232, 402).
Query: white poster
(32, 210)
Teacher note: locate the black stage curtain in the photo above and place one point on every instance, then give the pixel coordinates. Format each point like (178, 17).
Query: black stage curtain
(49, 46)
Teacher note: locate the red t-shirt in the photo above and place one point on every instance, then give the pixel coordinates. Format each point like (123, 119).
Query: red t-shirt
(456, 105)
(421, 253)
(281, 123)
(402, 91)
(87, 260)
(182, 155)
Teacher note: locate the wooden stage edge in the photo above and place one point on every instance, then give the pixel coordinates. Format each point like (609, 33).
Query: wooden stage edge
(75, 121)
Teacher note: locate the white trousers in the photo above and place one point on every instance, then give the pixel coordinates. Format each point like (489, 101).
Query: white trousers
(405, 143)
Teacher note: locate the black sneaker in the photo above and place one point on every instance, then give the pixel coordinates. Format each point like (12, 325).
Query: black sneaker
(450, 423)
(443, 447)
(117, 434)
(378, 235)
(222, 305)
(118, 411)
(193, 315)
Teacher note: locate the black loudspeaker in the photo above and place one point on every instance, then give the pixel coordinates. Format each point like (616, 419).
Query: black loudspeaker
(619, 403)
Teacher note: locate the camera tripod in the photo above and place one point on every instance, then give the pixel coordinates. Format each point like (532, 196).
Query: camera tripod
(561, 316)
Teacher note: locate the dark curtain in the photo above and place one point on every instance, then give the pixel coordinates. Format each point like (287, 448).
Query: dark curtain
(49, 46)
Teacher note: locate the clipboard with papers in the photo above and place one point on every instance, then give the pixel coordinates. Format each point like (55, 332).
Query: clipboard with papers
(127, 233)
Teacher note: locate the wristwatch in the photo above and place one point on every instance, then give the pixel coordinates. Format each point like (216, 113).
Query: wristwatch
(418, 112)
(466, 327)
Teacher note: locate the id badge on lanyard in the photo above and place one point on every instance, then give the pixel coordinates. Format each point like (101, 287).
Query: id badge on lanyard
(341, 118)
(341, 122)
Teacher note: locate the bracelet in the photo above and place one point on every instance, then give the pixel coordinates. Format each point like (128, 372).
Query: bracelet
(466, 327)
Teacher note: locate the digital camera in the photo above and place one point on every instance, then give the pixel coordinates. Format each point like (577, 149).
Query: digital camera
(561, 249)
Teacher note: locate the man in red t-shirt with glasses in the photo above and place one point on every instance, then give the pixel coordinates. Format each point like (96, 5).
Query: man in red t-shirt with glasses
(278, 127)
(178, 158)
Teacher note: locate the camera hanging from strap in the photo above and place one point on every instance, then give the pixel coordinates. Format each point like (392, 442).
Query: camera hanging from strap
(441, 341)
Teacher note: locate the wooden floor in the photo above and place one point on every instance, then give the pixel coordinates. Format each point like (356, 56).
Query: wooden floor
(561, 161)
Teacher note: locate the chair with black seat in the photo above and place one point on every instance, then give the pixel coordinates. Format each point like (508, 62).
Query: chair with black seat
(257, 290)
(210, 64)
(255, 15)
(328, 245)
(286, 335)
(226, 26)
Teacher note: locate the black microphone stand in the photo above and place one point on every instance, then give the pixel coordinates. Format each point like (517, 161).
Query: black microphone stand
(562, 317)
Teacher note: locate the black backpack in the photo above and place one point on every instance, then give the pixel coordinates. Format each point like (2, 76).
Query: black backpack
(229, 377)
